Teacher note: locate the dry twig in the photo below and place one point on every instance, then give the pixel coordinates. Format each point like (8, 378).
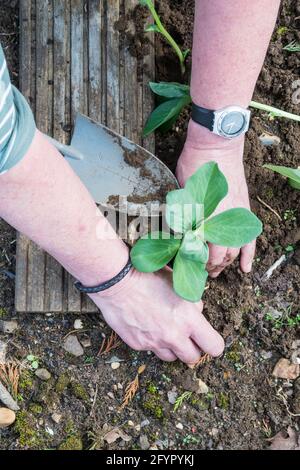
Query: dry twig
(109, 344)
(132, 388)
(269, 207)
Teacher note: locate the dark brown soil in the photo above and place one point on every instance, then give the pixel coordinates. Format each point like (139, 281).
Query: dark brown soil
(246, 404)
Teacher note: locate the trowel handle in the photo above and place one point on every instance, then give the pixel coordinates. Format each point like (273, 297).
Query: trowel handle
(66, 150)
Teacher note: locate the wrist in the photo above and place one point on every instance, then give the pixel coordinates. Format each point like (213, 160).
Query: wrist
(199, 137)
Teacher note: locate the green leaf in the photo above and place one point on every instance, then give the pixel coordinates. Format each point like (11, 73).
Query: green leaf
(208, 186)
(152, 252)
(35, 365)
(144, 3)
(163, 113)
(189, 278)
(233, 228)
(30, 357)
(170, 89)
(293, 174)
(182, 213)
(186, 53)
(152, 27)
(169, 124)
(193, 248)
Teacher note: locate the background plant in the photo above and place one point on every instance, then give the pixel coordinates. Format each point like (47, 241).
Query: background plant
(173, 97)
(158, 27)
(188, 214)
(292, 174)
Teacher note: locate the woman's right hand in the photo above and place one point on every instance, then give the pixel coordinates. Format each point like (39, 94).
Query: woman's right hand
(146, 313)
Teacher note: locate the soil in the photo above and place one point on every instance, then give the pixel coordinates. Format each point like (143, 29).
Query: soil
(245, 405)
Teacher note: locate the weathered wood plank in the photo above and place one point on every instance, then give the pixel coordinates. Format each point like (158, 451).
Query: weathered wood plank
(74, 58)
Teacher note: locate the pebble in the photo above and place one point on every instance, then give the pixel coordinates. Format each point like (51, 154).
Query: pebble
(115, 365)
(120, 386)
(179, 426)
(72, 346)
(144, 443)
(202, 387)
(3, 348)
(130, 423)
(172, 395)
(86, 342)
(111, 395)
(78, 325)
(269, 140)
(7, 417)
(43, 374)
(144, 423)
(284, 369)
(8, 326)
(56, 417)
(266, 354)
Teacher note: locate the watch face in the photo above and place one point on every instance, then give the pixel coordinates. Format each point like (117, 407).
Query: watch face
(233, 123)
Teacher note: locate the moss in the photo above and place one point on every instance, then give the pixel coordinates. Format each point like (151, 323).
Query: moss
(26, 382)
(233, 356)
(46, 394)
(200, 404)
(62, 383)
(71, 443)
(29, 436)
(152, 388)
(223, 401)
(35, 408)
(154, 406)
(79, 391)
(3, 312)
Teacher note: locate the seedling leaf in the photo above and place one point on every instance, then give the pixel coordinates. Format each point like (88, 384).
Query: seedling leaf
(189, 278)
(208, 186)
(233, 228)
(193, 248)
(182, 212)
(170, 90)
(152, 27)
(164, 112)
(293, 174)
(152, 252)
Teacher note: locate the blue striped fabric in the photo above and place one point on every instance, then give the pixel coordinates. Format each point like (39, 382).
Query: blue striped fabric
(17, 126)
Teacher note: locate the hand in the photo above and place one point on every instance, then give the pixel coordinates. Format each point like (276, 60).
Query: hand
(201, 147)
(147, 314)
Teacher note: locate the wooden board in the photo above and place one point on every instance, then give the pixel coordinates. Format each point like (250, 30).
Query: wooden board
(74, 58)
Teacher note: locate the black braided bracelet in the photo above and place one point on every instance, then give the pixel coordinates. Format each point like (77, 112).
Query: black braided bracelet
(107, 284)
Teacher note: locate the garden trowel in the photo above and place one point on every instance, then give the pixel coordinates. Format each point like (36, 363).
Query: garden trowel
(110, 165)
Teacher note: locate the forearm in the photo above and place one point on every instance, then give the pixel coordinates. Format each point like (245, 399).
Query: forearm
(230, 42)
(44, 199)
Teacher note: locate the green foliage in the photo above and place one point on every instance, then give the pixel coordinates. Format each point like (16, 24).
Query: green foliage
(284, 320)
(185, 396)
(292, 174)
(34, 363)
(158, 27)
(293, 46)
(175, 97)
(188, 214)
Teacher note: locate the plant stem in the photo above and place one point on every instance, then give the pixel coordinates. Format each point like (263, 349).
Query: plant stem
(277, 112)
(166, 35)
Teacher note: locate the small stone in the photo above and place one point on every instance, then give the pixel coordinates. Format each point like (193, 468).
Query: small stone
(130, 423)
(115, 365)
(120, 386)
(72, 346)
(112, 436)
(8, 326)
(56, 417)
(113, 359)
(202, 387)
(3, 348)
(43, 374)
(284, 369)
(7, 417)
(49, 431)
(145, 422)
(86, 342)
(179, 426)
(78, 325)
(111, 395)
(172, 395)
(144, 443)
(266, 354)
(269, 140)
(137, 427)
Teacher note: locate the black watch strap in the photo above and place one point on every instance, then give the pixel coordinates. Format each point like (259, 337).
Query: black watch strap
(105, 285)
(203, 116)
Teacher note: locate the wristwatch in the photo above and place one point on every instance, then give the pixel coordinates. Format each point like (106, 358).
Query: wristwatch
(228, 122)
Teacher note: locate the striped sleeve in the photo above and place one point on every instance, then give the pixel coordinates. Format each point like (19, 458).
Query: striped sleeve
(17, 125)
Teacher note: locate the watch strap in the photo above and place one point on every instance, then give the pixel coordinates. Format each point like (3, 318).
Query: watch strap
(204, 117)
